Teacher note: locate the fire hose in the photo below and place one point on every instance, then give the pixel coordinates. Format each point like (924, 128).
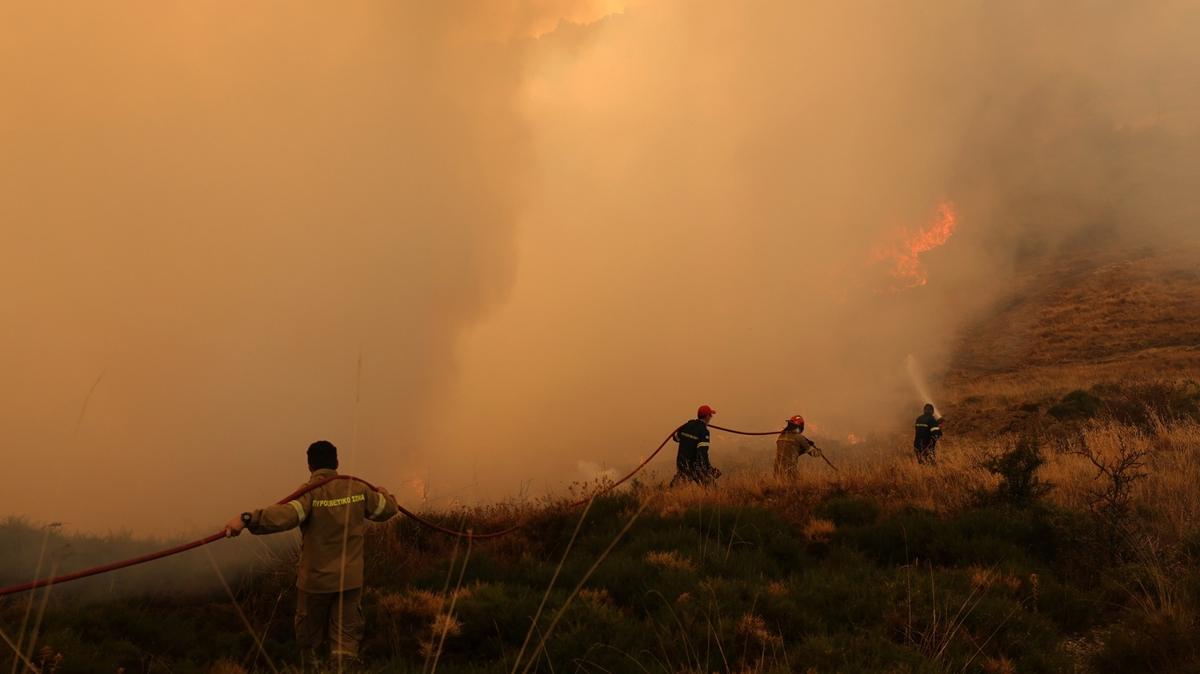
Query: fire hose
(814, 451)
(160, 554)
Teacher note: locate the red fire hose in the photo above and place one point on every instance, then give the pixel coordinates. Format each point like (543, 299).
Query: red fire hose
(730, 430)
(150, 557)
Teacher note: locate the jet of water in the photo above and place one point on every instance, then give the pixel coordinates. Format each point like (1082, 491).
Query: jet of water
(918, 381)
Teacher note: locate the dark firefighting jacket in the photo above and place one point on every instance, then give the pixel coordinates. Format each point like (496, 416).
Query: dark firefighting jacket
(693, 446)
(929, 431)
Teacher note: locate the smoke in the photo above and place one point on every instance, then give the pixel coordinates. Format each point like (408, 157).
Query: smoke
(46, 552)
(713, 181)
(550, 230)
(222, 207)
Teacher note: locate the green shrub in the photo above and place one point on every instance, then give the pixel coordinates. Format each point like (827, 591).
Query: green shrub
(1018, 471)
(1150, 642)
(849, 511)
(897, 540)
(714, 588)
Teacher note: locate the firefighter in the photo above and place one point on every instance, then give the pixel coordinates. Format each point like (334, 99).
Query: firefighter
(330, 577)
(790, 446)
(929, 431)
(691, 463)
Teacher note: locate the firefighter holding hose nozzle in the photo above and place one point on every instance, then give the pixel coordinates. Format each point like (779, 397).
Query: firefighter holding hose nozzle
(331, 518)
(692, 463)
(928, 432)
(790, 446)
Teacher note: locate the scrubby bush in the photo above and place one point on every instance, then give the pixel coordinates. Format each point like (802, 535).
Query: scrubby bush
(1142, 403)
(1153, 642)
(1017, 468)
(845, 510)
(1077, 405)
(737, 580)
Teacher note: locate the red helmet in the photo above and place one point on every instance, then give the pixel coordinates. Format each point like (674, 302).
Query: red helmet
(705, 411)
(797, 421)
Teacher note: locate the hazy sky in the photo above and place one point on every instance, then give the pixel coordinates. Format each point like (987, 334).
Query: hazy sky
(551, 229)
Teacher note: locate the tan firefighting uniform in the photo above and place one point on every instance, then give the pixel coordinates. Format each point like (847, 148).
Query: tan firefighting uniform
(788, 447)
(331, 520)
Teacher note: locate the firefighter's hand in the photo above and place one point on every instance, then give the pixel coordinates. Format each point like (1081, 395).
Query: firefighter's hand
(815, 451)
(234, 526)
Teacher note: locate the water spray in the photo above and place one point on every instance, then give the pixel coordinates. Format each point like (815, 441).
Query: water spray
(918, 382)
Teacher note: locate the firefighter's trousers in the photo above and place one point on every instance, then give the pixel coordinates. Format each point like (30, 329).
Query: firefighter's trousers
(787, 463)
(335, 618)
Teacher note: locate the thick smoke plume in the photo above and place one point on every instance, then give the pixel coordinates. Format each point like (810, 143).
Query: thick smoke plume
(717, 178)
(220, 207)
(550, 229)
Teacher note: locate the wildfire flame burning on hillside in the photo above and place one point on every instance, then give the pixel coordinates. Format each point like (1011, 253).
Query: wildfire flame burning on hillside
(904, 254)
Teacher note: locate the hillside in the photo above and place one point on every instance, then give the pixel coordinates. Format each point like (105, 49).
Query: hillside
(1106, 321)
(1072, 550)
(888, 568)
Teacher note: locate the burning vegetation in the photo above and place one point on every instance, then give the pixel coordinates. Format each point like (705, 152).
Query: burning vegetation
(902, 254)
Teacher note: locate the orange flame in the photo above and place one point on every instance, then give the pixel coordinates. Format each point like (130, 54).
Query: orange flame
(904, 255)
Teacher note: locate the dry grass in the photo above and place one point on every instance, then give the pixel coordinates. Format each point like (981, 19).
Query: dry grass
(416, 623)
(1098, 316)
(226, 667)
(819, 530)
(1091, 306)
(670, 559)
(892, 477)
(1051, 381)
(895, 481)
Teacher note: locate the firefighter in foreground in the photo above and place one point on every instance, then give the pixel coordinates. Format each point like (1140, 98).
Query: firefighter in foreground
(330, 579)
(929, 431)
(790, 446)
(691, 463)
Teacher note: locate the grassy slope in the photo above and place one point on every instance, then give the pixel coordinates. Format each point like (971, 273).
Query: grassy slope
(1097, 320)
(883, 567)
(698, 587)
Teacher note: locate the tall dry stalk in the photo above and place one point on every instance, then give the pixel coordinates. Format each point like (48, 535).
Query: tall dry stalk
(446, 621)
(20, 657)
(553, 579)
(578, 586)
(241, 614)
(58, 486)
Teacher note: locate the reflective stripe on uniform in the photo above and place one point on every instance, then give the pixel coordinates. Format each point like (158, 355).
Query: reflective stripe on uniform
(382, 504)
(936, 428)
(702, 444)
(922, 425)
(689, 436)
(299, 510)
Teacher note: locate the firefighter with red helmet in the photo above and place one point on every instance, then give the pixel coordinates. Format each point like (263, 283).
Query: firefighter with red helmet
(789, 446)
(692, 463)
